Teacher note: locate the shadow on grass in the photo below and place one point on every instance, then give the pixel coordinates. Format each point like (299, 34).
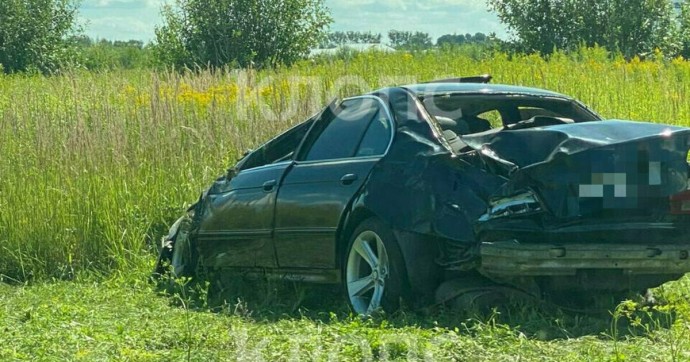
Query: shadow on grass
(269, 301)
(546, 321)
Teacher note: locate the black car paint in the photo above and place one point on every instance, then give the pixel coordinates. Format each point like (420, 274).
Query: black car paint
(560, 159)
(431, 196)
(311, 201)
(237, 228)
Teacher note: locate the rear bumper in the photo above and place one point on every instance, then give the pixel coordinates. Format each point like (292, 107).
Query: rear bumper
(510, 258)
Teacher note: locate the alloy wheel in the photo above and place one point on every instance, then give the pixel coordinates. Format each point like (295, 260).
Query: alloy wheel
(367, 272)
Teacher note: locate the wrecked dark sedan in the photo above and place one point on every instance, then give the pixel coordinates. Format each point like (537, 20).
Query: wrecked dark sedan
(450, 189)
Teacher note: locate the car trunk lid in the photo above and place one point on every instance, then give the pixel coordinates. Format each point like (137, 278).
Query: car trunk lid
(585, 177)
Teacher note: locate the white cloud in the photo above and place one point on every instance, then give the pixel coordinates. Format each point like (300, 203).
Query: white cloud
(121, 4)
(436, 17)
(137, 19)
(121, 19)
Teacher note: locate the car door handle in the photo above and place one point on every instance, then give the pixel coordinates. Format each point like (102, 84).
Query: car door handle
(269, 185)
(348, 179)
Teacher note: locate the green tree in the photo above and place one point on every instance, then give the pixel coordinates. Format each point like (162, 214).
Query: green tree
(215, 33)
(684, 21)
(106, 54)
(451, 40)
(460, 39)
(407, 40)
(633, 27)
(338, 38)
(34, 34)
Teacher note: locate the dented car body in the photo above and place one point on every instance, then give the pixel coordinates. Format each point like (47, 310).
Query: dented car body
(452, 187)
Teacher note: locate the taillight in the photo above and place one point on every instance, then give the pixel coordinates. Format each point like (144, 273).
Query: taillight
(680, 203)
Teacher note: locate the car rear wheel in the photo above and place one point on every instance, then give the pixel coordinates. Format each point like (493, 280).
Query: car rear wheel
(374, 271)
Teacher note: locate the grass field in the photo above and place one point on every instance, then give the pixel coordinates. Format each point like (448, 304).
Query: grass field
(95, 166)
(125, 319)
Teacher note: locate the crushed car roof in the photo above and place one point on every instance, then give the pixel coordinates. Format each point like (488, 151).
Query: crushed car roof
(532, 146)
(440, 88)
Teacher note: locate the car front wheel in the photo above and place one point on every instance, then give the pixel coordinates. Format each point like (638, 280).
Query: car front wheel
(178, 257)
(374, 270)
(184, 259)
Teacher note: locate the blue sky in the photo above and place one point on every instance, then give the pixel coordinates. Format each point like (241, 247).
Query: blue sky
(136, 19)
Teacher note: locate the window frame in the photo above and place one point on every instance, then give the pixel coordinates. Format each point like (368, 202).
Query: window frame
(241, 165)
(304, 148)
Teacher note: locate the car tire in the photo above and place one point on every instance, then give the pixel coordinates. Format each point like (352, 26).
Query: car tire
(374, 273)
(183, 263)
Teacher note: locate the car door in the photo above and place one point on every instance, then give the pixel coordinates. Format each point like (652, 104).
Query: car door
(334, 161)
(237, 227)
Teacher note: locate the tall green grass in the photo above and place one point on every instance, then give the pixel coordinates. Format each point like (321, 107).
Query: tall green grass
(95, 166)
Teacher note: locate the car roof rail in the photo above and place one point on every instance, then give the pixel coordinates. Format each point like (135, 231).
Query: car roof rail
(484, 79)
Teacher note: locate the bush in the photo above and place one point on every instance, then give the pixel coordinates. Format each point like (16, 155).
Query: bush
(33, 34)
(215, 33)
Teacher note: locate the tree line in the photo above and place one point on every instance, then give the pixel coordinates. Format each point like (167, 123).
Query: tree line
(403, 40)
(43, 35)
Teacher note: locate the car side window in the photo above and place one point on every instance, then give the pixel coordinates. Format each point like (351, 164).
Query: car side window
(378, 136)
(348, 131)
